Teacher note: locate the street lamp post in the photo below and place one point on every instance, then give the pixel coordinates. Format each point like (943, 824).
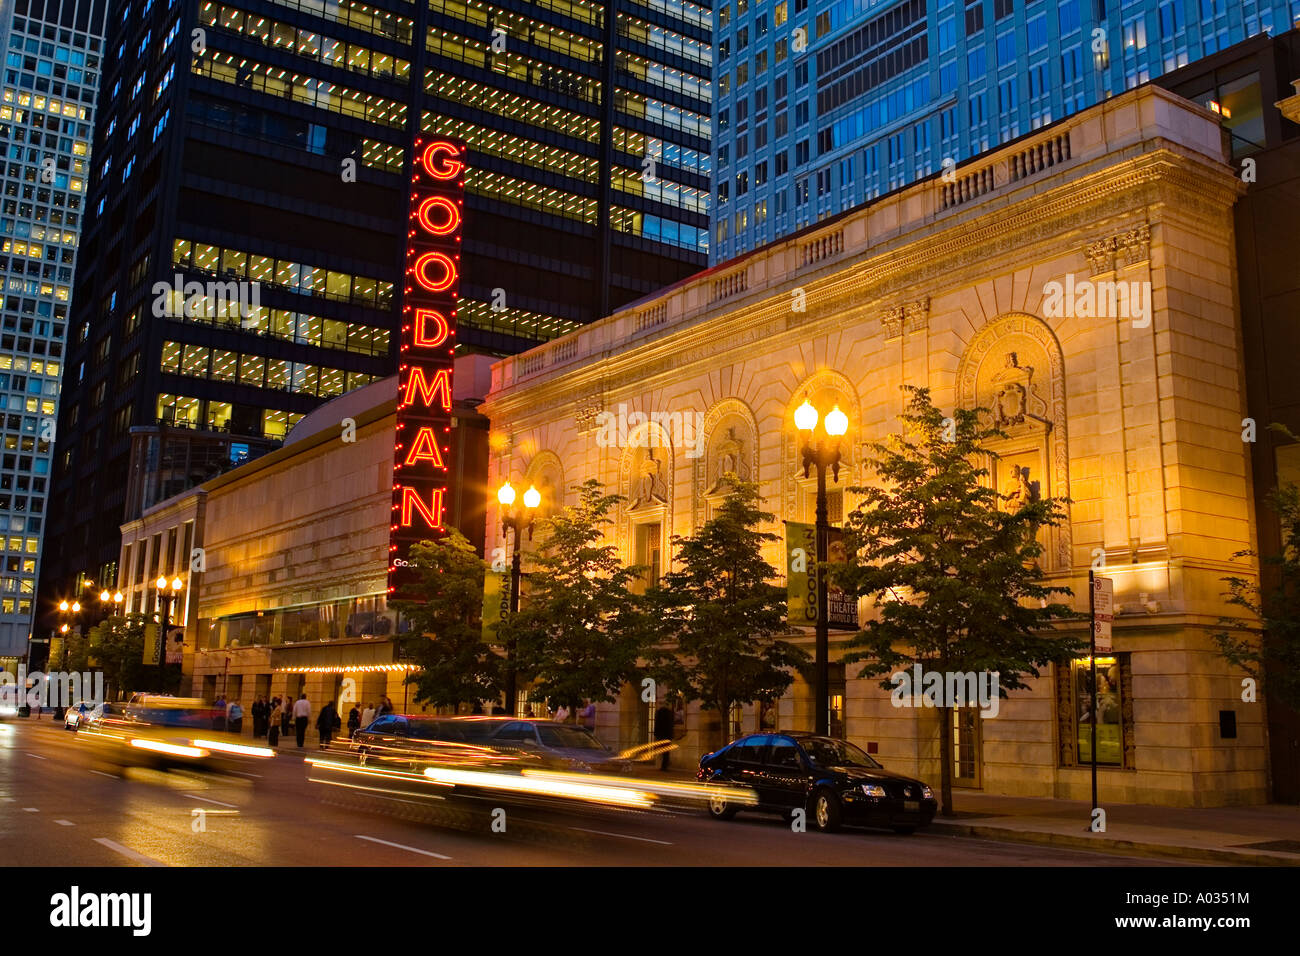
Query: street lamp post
(516, 522)
(166, 594)
(68, 612)
(110, 604)
(821, 452)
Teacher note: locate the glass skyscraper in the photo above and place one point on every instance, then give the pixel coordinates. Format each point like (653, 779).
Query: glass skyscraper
(257, 152)
(824, 104)
(52, 68)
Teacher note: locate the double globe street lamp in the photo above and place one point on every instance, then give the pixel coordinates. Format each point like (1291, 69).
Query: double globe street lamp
(516, 522)
(111, 604)
(821, 451)
(167, 592)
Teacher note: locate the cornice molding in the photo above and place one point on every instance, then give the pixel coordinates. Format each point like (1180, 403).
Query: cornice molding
(958, 249)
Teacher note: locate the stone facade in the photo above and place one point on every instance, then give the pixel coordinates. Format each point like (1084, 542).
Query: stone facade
(1135, 417)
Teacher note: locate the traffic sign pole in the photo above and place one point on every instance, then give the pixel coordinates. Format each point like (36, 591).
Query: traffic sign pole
(1092, 659)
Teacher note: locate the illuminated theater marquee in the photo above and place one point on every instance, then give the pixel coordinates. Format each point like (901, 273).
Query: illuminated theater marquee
(421, 447)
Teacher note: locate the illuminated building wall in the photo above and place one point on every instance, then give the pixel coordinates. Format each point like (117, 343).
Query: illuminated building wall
(47, 103)
(1137, 420)
(259, 150)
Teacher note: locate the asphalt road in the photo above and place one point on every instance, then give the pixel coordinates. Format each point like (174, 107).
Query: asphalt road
(60, 806)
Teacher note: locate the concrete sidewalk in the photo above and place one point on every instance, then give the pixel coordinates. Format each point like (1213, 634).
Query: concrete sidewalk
(1253, 836)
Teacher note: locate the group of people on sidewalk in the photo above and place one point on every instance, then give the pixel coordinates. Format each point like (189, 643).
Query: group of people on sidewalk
(278, 716)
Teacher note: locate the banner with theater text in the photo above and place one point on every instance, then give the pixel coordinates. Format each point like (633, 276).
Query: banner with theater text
(496, 603)
(801, 572)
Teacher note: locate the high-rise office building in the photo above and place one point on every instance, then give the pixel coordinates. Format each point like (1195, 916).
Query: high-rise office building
(244, 252)
(51, 71)
(824, 104)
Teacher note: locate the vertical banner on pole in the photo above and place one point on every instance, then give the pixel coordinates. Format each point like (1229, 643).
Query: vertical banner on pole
(801, 573)
(496, 602)
(422, 441)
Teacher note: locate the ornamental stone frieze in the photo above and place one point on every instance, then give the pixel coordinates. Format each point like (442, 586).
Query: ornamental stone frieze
(588, 409)
(906, 318)
(1125, 248)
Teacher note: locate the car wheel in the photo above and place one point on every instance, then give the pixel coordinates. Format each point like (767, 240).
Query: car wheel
(905, 831)
(720, 809)
(826, 811)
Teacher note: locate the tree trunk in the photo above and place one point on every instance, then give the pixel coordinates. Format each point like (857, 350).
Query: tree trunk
(945, 760)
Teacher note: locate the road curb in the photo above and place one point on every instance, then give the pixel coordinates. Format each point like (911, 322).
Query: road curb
(1117, 847)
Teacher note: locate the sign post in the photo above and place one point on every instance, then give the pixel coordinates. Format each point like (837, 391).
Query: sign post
(1101, 592)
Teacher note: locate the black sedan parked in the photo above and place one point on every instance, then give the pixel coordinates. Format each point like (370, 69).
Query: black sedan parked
(833, 780)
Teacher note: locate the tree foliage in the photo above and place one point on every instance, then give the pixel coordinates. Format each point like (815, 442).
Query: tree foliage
(1267, 645)
(456, 665)
(581, 631)
(950, 564)
(116, 646)
(722, 612)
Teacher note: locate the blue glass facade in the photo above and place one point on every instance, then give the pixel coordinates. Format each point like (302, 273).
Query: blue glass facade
(47, 102)
(824, 104)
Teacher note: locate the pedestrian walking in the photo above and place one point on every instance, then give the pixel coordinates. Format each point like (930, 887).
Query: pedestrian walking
(259, 715)
(354, 721)
(273, 725)
(236, 718)
(301, 717)
(368, 716)
(286, 716)
(664, 731)
(562, 713)
(326, 723)
(588, 716)
(219, 713)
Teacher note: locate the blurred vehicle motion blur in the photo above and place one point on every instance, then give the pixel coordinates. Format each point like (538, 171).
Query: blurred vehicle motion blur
(410, 740)
(537, 762)
(161, 731)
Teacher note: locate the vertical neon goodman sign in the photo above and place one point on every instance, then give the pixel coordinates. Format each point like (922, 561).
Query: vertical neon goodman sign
(422, 443)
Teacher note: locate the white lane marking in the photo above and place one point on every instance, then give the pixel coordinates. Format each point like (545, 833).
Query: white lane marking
(102, 774)
(402, 846)
(37, 756)
(65, 823)
(195, 796)
(31, 810)
(128, 852)
(624, 836)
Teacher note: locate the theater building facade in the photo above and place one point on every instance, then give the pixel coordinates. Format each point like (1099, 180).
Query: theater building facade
(974, 285)
(285, 558)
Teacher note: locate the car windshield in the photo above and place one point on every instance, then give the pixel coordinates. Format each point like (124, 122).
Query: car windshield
(571, 738)
(836, 753)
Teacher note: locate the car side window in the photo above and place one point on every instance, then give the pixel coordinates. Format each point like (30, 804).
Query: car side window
(384, 725)
(400, 727)
(752, 751)
(783, 755)
(511, 731)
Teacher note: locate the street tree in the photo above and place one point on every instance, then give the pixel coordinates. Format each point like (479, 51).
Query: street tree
(116, 646)
(456, 664)
(722, 614)
(1266, 643)
(950, 564)
(581, 630)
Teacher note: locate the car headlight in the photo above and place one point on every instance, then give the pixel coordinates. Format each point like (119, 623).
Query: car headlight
(926, 792)
(873, 790)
